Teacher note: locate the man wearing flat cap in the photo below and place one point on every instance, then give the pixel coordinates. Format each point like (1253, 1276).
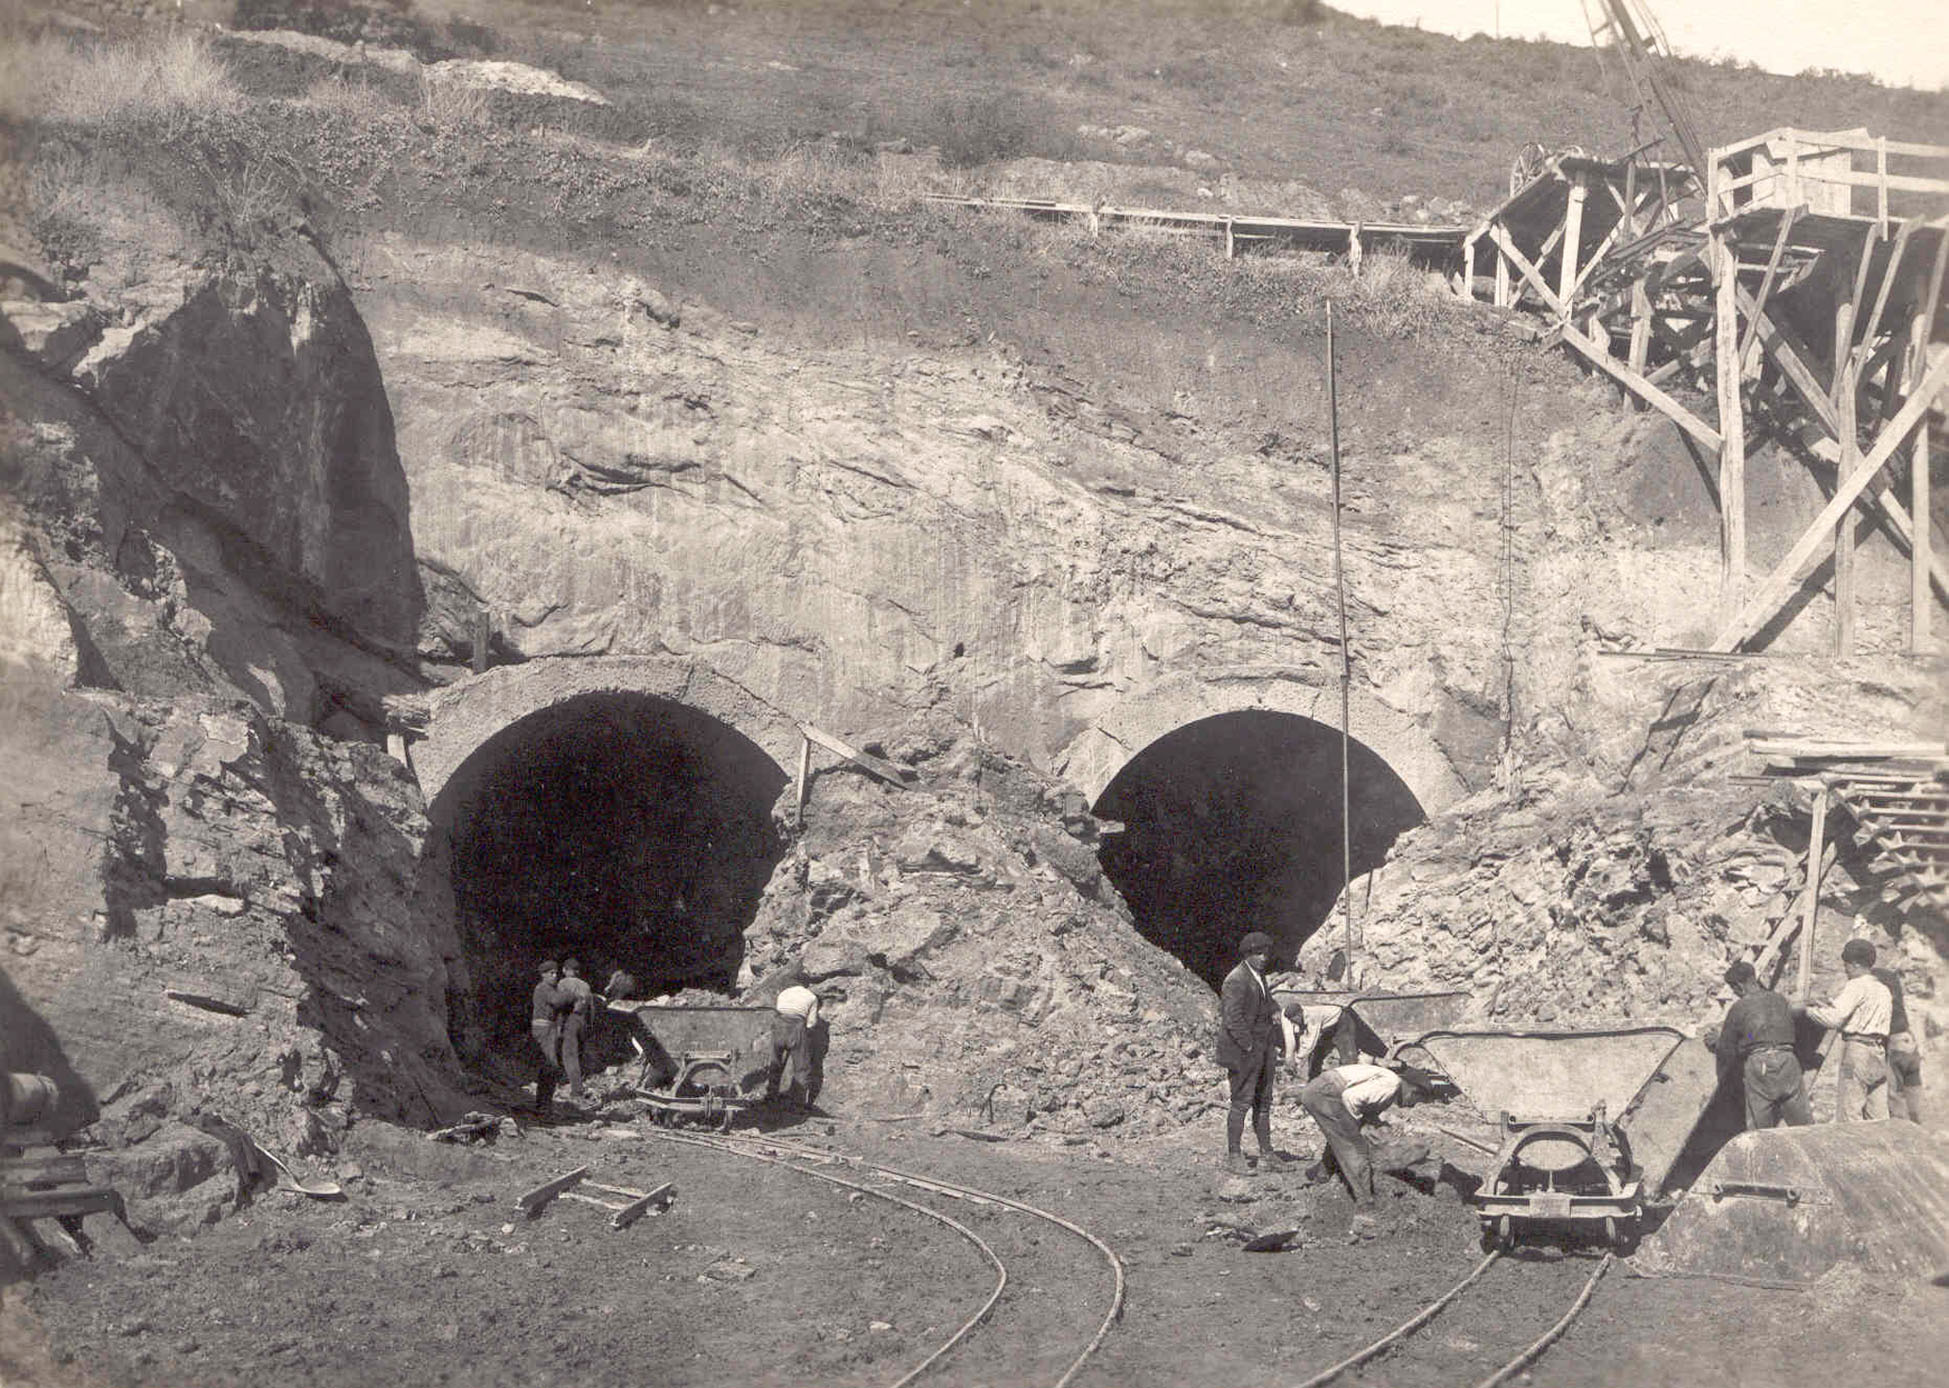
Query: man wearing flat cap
(1862, 1012)
(1248, 1043)
(1756, 1039)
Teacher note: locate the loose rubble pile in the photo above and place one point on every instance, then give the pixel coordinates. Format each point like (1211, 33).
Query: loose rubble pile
(983, 969)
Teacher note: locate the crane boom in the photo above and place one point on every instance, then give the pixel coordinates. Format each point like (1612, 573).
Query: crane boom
(1633, 34)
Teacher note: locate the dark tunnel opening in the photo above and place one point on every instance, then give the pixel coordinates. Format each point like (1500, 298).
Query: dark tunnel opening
(1232, 823)
(629, 831)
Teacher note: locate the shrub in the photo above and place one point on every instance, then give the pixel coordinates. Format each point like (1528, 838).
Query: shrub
(164, 81)
(979, 129)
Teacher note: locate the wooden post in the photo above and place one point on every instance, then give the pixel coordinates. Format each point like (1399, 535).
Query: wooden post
(1354, 249)
(1850, 441)
(1815, 845)
(1921, 537)
(1640, 325)
(1468, 269)
(1573, 225)
(1502, 278)
(1732, 430)
(805, 776)
(1346, 659)
(1231, 246)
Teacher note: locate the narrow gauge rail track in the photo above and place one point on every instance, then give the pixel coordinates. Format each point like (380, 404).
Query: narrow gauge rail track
(1434, 1308)
(805, 1160)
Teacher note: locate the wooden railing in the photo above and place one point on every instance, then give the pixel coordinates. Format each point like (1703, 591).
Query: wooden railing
(1817, 172)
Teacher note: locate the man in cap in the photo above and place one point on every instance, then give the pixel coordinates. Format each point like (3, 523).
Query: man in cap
(1248, 1042)
(1757, 1040)
(1346, 1099)
(576, 1001)
(545, 1026)
(1862, 1013)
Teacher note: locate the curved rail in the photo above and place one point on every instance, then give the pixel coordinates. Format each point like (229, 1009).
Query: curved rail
(1433, 1308)
(1404, 1329)
(1548, 1337)
(1117, 1272)
(967, 1326)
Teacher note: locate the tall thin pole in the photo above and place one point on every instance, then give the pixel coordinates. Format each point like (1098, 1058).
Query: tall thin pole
(1346, 661)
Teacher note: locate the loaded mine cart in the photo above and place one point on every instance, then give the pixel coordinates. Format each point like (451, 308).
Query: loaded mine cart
(700, 1064)
(1561, 1099)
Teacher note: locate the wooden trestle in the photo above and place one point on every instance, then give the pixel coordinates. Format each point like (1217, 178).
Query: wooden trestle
(1797, 286)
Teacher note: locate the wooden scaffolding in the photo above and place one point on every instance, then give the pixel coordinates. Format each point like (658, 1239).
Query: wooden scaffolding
(1797, 287)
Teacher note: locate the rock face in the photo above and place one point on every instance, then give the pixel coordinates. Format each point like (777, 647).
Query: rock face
(208, 902)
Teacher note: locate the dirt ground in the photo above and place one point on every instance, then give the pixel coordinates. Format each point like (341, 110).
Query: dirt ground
(426, 1274)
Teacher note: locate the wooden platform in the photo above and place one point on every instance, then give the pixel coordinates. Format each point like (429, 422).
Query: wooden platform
(1791, 295)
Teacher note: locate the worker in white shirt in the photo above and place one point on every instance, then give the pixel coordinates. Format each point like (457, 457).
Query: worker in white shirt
(795, 1014)
(1861, 1012)
(1345, 1099)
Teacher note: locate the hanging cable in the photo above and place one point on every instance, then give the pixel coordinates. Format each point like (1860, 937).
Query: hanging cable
(1346, 660)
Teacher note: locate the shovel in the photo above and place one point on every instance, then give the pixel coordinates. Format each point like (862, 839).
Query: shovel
(258, 1159)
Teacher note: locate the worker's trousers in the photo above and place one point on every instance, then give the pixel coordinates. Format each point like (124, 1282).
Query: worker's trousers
(790, 1050)
(548, 1040)
(1347, 1147)
(1776, 1092)
(1863, 1087)
(1905, 1077)
(572, 1027)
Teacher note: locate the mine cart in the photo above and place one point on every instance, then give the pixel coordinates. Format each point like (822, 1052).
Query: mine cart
(699, 1064)
(1564, 1157)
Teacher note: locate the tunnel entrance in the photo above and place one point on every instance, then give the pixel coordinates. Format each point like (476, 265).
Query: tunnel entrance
(630, 831)
(1232, 823)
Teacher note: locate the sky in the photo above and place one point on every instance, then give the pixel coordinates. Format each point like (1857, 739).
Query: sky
(1902, 42)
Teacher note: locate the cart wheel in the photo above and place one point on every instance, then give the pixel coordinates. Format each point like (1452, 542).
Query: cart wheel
(1610, 1231)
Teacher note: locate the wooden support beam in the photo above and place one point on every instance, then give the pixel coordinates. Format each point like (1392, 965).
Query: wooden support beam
(1775, 951)
(1811, 919)
(1921, 545)
(1502, 275)
(1881, 297)
(1542, 255)
(1468, 269)
(1848, 316)
(1765, 296)
(1643, 389)
(1573, 226)
(877, 766)
(1766, 601)
(1732, 429)
(1640, 325)
(1531, 275)
(1844, 577)
(533, 1202)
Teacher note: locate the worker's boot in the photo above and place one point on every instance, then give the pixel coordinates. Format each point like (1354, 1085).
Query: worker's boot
(1270, 1158)
(1235, 1160)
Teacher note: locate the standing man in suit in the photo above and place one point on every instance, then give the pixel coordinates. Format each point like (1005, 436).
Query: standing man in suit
(1248, 1044)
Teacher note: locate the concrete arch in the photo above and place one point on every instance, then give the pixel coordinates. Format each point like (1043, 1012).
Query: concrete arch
(466, 715)
(1095, 757)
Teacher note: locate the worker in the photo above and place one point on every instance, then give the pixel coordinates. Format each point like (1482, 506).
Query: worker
(1904, 1055)
(1861, 1012)
(1248, 1045)
(575, 1000)
(545, 1026)
(1756, 1039)
(1345, 1099)
(795, 1014)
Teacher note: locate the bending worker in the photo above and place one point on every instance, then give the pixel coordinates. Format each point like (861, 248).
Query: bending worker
(1248, 1045)
(1757, 1039)
(1345, 1099)
(1862, 1012)
(795, 1014)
